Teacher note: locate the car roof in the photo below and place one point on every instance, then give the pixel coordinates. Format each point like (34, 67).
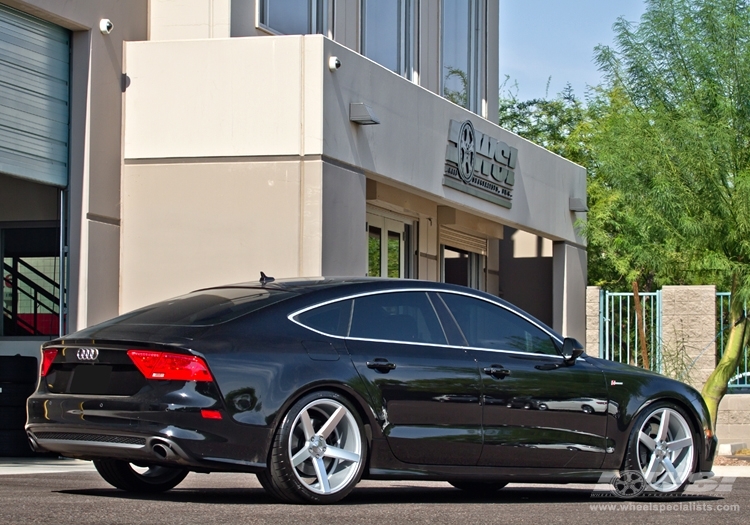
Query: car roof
(303, 285)
(339, 286)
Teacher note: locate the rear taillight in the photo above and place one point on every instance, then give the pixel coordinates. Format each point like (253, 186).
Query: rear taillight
(48, 355)
(170, 367)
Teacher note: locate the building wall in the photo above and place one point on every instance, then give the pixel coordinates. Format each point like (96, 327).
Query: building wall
(23, 200)
(301, 110)
(409, 146)
(95, 147)
(189, 19)
(525, 274)
(189, 225)
(344, 216)
(345, 29)
(569, 290)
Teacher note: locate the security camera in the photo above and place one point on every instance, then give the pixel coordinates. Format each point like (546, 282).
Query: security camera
(106, 26)
(334, 63)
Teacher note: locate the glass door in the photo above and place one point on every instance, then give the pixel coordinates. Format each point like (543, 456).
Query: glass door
(388, 247)
(463, 267)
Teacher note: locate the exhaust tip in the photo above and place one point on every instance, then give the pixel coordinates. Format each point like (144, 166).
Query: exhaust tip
(162, 451)
(32, 442)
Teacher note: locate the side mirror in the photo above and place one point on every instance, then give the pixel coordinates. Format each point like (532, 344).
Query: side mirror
(571, 350)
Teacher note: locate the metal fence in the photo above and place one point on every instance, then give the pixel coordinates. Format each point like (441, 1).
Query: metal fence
(741, 379)
(619, 337)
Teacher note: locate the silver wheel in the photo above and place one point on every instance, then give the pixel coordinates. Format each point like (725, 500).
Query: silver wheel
(325, 447)
(665, 450)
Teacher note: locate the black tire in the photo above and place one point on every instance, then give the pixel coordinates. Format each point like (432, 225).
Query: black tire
(684, 459)
(479, 488)
(18, 369)
(306, 482)
(120, 474)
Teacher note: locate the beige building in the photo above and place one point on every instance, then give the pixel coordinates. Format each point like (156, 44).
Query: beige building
(190, 143)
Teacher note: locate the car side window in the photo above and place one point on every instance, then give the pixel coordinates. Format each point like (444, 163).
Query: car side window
(331, 319)
(486, 325)
(396, 316)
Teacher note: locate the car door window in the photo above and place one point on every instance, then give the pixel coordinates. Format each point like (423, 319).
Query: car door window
(331, 319)
(396, 316)
(486, 325)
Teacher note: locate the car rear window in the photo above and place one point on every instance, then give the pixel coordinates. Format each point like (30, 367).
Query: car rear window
(205, 307)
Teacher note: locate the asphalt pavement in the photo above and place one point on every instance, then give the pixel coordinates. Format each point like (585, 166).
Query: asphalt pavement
(54, 491)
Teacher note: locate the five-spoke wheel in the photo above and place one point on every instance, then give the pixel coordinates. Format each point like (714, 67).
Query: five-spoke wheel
(319, 451)
(662, 448)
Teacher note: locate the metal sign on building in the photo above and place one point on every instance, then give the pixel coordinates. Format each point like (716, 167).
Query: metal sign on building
(479, 165)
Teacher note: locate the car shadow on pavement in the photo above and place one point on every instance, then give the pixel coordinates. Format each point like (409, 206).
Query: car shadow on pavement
(379, 495)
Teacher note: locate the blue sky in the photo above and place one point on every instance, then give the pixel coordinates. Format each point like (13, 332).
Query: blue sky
(543, 38)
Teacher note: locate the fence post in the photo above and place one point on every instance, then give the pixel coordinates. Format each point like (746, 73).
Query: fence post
(593, 320)
(688, 329)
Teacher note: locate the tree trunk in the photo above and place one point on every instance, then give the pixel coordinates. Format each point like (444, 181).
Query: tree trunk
(641, 326)
(716, 385)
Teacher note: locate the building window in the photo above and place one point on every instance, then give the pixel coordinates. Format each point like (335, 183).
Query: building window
(460, 52)
(388, 34)
(294, 17)
(391, 246)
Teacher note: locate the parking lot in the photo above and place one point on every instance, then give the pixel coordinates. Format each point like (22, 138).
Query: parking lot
(71, 492)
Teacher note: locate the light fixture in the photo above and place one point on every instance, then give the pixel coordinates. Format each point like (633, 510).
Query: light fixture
(362, 114)
(106, 26)
(576, 204)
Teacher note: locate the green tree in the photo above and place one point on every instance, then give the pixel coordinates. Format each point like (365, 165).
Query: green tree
(670, 182)
(551, 123)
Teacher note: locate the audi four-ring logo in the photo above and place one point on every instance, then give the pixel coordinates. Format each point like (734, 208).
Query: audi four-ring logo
(87, 354)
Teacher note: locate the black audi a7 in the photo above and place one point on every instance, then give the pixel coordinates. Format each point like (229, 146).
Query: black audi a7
(314, 384)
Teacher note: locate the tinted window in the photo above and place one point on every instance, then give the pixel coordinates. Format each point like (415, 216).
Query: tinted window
(330, 319)
(293, 17)
(203, 308)
(486, 325)
(396, 316)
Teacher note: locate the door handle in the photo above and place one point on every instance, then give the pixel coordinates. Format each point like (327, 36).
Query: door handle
(496, 371)
(381, 365)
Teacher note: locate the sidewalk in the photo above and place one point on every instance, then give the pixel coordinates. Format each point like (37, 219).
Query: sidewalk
(43, 465)
(51, 466)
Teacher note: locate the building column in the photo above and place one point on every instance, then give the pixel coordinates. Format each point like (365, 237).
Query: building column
(569, 290)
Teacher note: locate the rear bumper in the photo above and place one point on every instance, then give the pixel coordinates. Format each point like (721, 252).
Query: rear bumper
(151, 449)
(133, 430)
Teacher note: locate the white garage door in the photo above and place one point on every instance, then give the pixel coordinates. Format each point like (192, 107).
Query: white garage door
(34, 98)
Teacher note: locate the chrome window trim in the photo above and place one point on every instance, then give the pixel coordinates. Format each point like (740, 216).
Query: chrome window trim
(292, 317)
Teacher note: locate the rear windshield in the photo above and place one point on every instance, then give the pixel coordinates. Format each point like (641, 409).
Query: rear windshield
(204, 308)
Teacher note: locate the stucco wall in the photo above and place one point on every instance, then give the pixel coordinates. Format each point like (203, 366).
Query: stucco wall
(192, 225)
(689, 322)
(593, 320)
(408, 146)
